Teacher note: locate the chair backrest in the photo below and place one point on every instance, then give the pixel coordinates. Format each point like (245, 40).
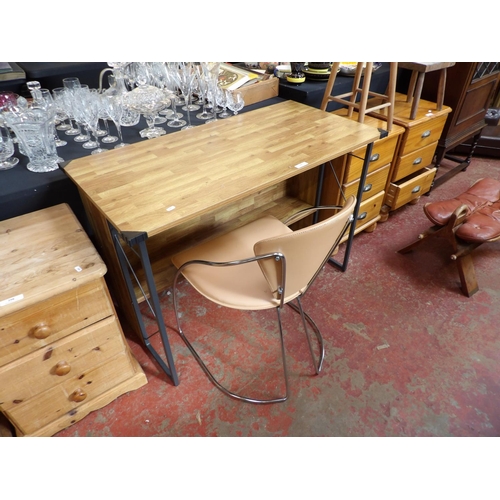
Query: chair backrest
(306, 251)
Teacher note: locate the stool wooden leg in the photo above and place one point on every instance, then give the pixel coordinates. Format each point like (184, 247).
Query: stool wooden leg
(467, 275)
(329, 86)
(391, 94)
(441, 89)
(411, 86)
(366, 89)
(416, 95)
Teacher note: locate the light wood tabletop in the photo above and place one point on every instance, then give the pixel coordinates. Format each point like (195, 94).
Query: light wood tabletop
(154, 185)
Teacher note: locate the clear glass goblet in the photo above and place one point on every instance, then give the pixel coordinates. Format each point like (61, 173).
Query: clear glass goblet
(235, 102)
(221, 97)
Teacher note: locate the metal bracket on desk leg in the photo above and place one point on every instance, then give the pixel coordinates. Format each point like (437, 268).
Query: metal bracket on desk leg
(366, 162)
(139, 239)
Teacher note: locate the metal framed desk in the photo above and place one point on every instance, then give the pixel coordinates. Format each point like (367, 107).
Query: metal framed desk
(150, 199)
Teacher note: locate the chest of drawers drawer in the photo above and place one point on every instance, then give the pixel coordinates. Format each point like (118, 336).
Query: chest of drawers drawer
(35, 327)
(382, 154)
(414, 161)
(369, 213)
(423, 134)
(410, 188)
(374, 184)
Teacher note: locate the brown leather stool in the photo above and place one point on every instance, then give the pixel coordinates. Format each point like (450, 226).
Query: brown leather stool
(466, 221)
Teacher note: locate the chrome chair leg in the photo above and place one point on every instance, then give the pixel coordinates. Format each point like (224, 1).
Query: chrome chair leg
(305, 317)
(211, 376)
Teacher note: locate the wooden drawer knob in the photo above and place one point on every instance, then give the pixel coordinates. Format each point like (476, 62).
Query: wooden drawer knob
(41, 331)
(62, 368)
(78, 395)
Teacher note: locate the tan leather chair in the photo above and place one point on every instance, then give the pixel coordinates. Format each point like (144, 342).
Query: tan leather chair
(263, 265)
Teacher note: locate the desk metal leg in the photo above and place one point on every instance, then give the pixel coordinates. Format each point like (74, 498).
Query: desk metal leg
(366, 162)
(139, 240)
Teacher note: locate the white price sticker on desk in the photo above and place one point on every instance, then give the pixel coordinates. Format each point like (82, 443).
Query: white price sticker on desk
(11, 300)
(301, 165)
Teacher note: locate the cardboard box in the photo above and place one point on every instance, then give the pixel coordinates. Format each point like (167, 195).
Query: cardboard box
(260, 91)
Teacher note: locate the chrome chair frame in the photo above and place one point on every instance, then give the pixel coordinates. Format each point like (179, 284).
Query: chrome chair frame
(279, 257)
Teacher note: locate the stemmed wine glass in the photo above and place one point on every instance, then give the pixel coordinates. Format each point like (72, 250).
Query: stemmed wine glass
(6, 150)
(114, 108)
(235, 102)
(47, 97)
(210, 72)
(62, 101)
(221, 98)
(72, 85)
(92, 109)
(184, 78)
(203, 88)
(104, 116)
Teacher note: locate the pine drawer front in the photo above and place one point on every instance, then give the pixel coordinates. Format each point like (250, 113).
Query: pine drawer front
(369, 210)
(41, 324)
(63, 359)
(408, 189)
(414, 161)
(382, 153)
(423, 134)
(45, 385)
(56, 409)
(374, 184)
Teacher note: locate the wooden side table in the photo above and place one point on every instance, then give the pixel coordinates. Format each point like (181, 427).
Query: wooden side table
(62, 349)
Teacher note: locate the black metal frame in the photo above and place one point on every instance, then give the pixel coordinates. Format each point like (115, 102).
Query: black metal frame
(364, 171)
(138, 240)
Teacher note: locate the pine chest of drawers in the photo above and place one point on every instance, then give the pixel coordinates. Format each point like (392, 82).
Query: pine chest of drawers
(343, 179)
(62, 349)
(413, 172)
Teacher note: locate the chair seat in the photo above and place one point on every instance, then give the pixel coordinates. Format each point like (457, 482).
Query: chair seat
(238, 287)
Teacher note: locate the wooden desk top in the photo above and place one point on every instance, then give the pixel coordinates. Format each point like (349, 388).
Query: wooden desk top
(156, 184)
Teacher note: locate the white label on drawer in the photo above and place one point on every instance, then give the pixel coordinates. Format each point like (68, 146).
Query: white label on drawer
(12, 299)
(78, 269)
(169, 209)
(300, 165)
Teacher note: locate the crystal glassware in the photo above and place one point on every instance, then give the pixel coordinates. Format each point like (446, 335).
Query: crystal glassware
(221, 98)
(184, 78)
(114, 108)
(235, 102)
(33, 127)
(73, 85)
(7, 99)
(147, 100)
(7, 161)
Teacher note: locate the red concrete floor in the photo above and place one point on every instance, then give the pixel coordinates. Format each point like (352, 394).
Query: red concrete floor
(406, 353)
